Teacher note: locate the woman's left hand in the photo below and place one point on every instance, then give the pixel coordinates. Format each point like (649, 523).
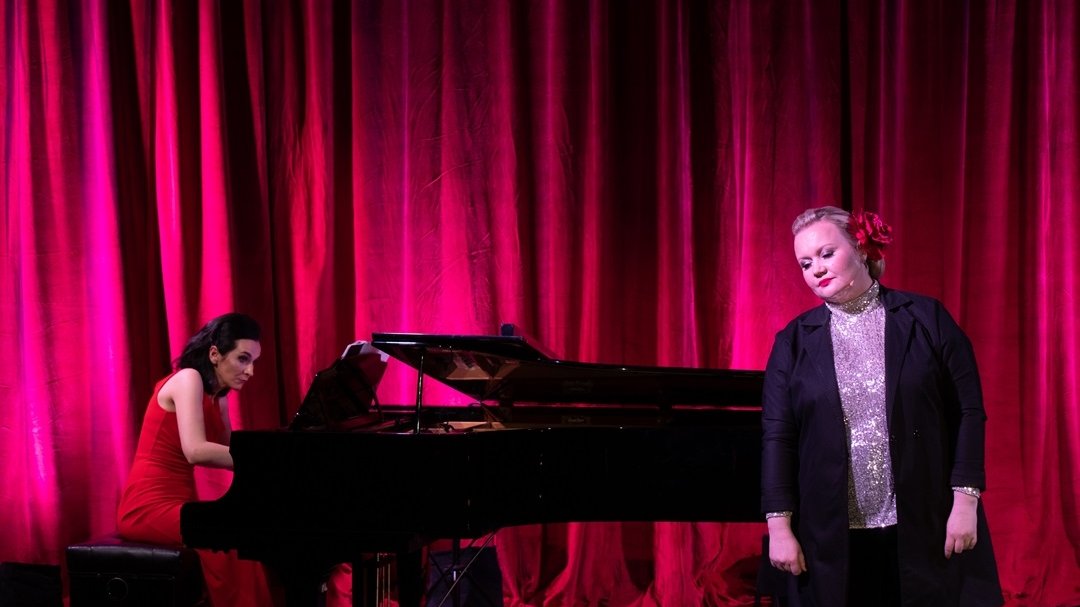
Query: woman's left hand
(960, 532)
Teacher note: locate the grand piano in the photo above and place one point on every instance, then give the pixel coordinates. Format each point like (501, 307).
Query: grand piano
(546, 440)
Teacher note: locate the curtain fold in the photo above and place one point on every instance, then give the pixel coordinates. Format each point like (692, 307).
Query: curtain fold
(616, 179)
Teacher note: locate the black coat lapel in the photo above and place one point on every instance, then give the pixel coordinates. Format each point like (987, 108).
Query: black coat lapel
(817, 346)
(899, 327)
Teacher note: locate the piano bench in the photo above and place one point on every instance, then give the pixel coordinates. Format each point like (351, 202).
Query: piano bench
(112, 571)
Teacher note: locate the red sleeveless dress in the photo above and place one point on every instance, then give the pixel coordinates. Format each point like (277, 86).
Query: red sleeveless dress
(161, 480)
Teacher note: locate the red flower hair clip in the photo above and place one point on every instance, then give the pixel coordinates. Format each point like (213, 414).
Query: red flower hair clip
(871, 233)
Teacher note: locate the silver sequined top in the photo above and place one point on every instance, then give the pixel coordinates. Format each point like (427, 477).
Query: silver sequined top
(858, 338)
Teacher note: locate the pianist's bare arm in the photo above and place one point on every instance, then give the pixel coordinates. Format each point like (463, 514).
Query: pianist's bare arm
(183, 393)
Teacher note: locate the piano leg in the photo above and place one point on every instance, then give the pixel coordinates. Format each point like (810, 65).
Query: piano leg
(302, 585)
(372, 580)
(411, 578)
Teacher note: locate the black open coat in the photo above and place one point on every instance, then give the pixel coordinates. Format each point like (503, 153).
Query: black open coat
(936, 434)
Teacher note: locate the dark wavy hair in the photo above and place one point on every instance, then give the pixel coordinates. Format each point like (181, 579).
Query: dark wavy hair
(222, 332)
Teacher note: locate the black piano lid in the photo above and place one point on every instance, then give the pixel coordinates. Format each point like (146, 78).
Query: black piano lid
(509, 369)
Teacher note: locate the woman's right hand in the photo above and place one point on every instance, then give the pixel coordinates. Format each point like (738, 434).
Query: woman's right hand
(785, 553)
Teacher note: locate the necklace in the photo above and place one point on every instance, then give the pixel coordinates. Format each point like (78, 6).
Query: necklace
(860, 304)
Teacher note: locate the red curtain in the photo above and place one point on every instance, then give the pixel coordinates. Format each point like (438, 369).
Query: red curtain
(618, 178)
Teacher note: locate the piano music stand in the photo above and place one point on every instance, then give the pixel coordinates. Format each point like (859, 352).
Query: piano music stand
(343, 393)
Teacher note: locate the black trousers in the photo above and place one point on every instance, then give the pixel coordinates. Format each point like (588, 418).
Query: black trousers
(874, 568)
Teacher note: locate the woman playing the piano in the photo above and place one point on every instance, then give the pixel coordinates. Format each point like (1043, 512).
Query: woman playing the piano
(186, 425)
(873, 426)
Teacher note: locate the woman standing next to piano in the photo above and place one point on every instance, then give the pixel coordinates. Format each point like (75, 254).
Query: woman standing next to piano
(186, 425)
(873, 430)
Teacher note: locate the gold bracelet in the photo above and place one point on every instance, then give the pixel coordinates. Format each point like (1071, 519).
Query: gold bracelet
(972, 491)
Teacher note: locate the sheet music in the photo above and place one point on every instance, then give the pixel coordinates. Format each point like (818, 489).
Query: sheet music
(361, 347)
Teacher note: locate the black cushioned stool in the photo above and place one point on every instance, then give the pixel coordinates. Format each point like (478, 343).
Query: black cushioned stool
(111, 572)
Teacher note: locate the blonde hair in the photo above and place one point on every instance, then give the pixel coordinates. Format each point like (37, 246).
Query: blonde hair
(840, 218)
